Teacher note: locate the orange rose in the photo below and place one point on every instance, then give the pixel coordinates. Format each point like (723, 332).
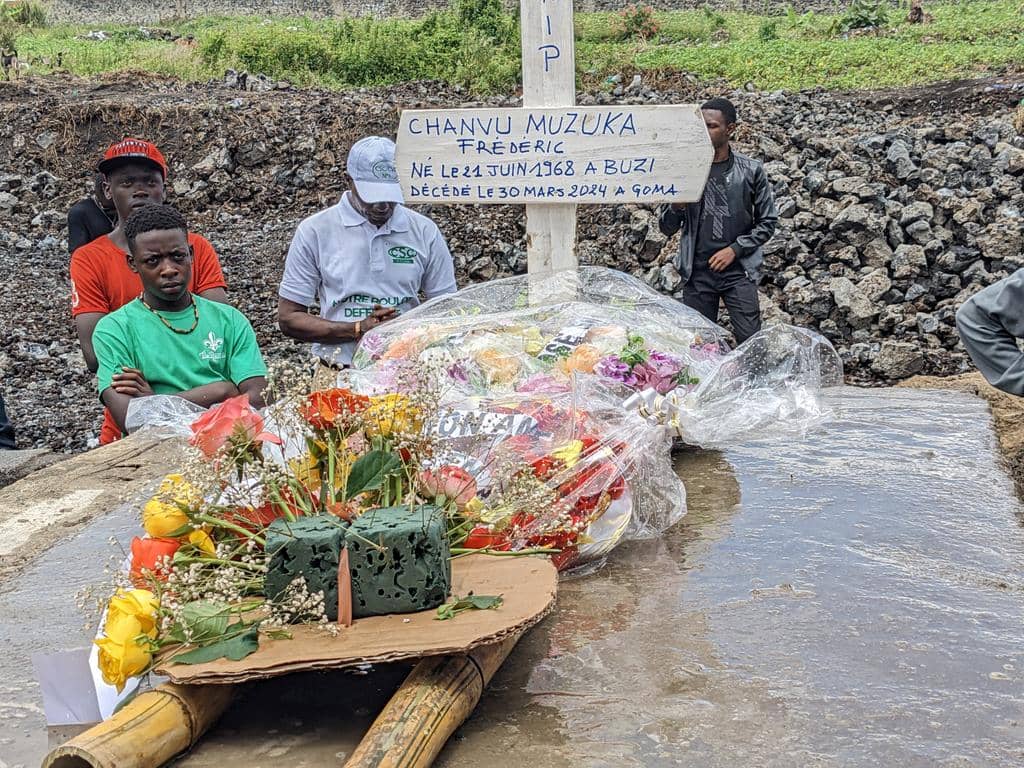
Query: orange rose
(408, 345)
(148, 555)
(580, 360)
(232, 422)
(500, 367)
(322, 409)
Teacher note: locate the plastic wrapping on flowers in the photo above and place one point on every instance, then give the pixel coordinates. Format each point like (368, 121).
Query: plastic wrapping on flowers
(529, 334)
(769, 386)
(169, 413)
(569, 472)
(592, 474)
(524, 334)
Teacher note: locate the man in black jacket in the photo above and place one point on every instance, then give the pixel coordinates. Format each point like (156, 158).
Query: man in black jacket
(720, 249)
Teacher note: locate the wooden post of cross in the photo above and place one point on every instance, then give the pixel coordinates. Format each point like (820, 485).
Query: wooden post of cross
(549, 80)
(549, 154)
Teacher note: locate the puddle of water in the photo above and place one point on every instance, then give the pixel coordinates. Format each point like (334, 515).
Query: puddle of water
(854, 600)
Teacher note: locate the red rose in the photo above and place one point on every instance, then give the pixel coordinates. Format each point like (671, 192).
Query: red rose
(545, 467)
(256, 519)
(565, 558)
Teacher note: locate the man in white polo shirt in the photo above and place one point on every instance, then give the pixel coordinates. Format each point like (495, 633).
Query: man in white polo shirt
(364, 260)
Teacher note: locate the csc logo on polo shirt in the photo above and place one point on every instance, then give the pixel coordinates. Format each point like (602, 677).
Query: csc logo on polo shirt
(402, 254)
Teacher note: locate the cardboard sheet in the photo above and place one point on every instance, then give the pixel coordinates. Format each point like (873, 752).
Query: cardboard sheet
(528, 585)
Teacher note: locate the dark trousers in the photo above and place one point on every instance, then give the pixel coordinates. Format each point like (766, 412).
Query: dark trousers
(6, 430)
(705, 288)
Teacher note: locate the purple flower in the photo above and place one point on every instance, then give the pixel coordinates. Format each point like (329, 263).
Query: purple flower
(648, 376)
(611, 367)
(664, 365)
(457, 372)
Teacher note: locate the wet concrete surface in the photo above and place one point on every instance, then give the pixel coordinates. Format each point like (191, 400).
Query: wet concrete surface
(853, 600)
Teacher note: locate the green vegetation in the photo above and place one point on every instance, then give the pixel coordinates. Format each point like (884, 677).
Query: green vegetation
(863, 14)
(28, 13)
(637, 22)
(475, 43)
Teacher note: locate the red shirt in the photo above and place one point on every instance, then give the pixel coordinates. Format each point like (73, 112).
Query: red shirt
(102, 281)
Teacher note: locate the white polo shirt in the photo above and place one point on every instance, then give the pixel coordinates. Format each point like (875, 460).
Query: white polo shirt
(348, 264)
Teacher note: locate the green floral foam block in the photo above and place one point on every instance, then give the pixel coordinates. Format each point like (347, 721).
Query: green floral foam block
(307, 547)
(399, 559)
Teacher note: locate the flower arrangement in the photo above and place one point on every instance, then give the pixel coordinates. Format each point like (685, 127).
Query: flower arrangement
(639, 368)
(511, 359)
(523, 476)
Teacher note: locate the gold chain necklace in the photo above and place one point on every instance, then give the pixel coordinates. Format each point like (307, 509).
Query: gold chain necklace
(195, 317)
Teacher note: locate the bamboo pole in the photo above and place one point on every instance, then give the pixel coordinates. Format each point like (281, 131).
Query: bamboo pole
(148, 731)
(436, 698)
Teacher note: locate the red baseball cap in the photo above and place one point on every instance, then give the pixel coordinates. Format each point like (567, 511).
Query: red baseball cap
(131, 149)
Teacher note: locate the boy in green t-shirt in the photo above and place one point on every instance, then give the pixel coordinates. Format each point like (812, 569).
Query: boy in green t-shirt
(169, 341)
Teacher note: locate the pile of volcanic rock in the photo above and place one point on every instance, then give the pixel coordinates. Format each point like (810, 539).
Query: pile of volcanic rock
(889, 216)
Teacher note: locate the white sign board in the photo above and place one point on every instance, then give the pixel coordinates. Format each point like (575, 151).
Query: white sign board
(609, 154)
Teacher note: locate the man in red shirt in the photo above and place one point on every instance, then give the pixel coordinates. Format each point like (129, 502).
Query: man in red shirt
(101, 280)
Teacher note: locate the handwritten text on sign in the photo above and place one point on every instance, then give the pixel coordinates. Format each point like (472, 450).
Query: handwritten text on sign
(614, 154)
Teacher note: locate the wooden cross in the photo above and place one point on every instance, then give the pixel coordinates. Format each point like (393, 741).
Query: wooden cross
(549, 154)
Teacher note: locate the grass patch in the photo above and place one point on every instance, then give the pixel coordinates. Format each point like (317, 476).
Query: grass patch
(474, 43)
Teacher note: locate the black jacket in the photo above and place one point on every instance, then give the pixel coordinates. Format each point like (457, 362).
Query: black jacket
(751, 195)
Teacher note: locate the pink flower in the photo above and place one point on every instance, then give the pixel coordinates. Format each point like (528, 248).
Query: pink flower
(234, 421)
(543, 383)
(649, 376)
(450, 483)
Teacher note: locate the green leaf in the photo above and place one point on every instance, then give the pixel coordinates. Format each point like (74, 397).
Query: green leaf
(635, 351)
(470, 602)
(234, 648)
(370, 470)
(205, 620)
(177, 533)
(483, 602)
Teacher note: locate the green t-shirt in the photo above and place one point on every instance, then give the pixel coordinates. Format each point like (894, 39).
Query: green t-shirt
(221, 348)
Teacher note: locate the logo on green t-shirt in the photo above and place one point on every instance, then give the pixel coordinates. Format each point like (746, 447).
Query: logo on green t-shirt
(213, 348)
(402, 254)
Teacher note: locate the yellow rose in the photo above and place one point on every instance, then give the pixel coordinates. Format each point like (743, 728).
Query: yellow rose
(474, 507)
(175, 488)
(391, 414)
(161, 518)
(533, 342)
(139, 605)
(121, 658)
(570, 454)
(202, 541)
(307, 470)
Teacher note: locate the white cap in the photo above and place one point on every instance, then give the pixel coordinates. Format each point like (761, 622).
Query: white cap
(371, 164)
